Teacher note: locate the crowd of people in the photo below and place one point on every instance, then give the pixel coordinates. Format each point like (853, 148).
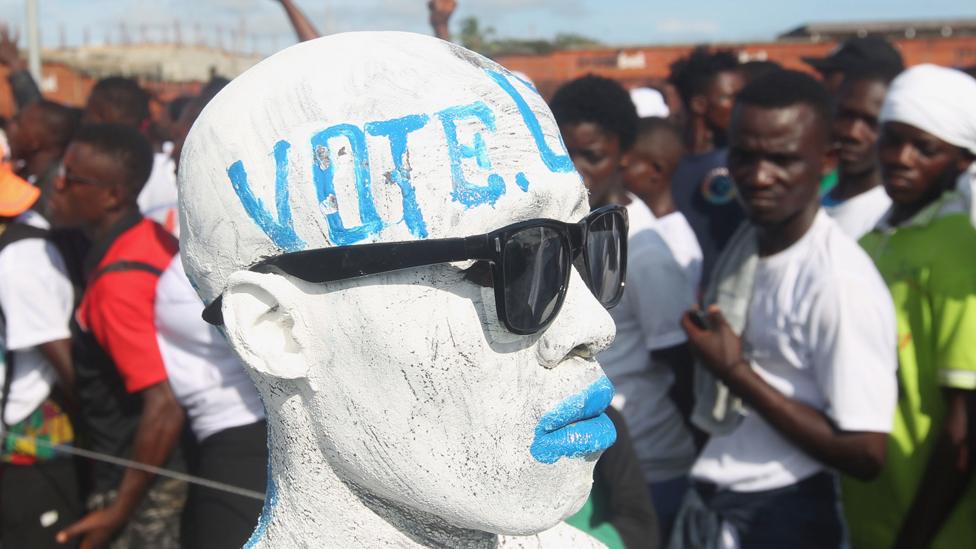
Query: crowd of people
(792, 360)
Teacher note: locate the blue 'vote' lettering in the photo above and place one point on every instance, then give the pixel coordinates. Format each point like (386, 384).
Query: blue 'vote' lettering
(324, 144)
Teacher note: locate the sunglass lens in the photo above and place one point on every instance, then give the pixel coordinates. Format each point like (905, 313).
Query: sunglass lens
(604, 258)
(536, 262)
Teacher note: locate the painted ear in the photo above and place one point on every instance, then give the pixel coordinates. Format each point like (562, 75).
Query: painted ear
(260, 318)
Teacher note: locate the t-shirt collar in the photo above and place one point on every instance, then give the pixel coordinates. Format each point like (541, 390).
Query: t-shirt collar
(950, 202)
(101, 247)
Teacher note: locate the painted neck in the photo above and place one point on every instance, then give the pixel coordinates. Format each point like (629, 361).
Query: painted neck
(310, 504)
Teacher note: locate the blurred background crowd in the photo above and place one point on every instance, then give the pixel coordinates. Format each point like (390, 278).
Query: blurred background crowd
(794, 363)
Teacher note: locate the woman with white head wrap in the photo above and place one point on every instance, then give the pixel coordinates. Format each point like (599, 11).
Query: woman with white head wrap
(942, 102)
(924, 249)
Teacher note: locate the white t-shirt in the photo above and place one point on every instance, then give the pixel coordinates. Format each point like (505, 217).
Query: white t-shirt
(857, 215)
(659, 290)
(639, 216)
(821, 330)
(205, 374)
(158, 198)
(37, 297)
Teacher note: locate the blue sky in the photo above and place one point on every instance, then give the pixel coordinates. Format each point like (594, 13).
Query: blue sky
(614, 22)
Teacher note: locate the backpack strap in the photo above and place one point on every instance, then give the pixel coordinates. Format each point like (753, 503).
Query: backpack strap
(8, 378)
(15, 230)
(124, 265)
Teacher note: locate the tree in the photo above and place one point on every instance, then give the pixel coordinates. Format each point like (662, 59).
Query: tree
(483, 41)
(474, 37)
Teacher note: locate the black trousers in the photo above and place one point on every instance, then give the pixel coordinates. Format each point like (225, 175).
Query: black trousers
(37, 501)
(215, 519)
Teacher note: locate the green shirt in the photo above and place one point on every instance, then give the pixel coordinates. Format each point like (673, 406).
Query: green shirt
(929, 265)
(828, 182)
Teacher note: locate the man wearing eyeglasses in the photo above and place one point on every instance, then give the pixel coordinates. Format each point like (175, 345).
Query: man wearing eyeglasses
(400, 251)
(127, 406)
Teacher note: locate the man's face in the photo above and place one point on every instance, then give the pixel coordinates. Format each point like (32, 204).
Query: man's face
(101, 111)
(776, 158)
(855, 125)
(23, 132)
(720, 98)
(649, 167)
(87, 190)
(596, 154)
(832, 80)
(916, 166)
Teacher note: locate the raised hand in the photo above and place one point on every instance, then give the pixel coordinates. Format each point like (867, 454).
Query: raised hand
(440, 13)
(9, 53)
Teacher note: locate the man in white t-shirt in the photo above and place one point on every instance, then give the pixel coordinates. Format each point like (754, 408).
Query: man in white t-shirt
(157, 200)
(39, 492)
(815, 362)
(649, 361)
(858, 201)
(225, 413)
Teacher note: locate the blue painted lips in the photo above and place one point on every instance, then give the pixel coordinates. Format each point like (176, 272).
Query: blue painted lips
(577, 426)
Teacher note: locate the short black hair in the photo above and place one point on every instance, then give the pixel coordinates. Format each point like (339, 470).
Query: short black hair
(752, 70)
(693, 74)
(60, 123)
(880, 73)
(786, 88)
(652, 126)
(600, 101)
(125, 97)
(124, 144)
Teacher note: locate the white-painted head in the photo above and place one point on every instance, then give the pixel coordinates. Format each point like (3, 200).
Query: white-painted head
(413, 390)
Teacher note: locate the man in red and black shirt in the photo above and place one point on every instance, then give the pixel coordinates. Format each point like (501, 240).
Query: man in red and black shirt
(127, 406)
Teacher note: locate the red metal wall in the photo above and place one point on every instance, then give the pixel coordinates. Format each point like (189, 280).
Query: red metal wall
(648, 65)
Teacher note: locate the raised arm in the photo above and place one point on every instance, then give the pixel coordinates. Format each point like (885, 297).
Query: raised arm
(440, 14)
(303, 27)
(24, 88)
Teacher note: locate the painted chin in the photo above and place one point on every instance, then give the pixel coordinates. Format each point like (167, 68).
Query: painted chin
(577, 426)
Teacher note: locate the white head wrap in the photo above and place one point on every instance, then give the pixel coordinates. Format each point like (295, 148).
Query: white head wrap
(938, 100)
(942, 102)
(649, 102)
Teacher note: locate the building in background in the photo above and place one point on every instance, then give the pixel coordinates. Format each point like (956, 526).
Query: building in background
(166, 70)
(951, 43)
(170, 69)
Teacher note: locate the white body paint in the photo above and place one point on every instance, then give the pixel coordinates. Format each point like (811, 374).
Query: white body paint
(400, 410)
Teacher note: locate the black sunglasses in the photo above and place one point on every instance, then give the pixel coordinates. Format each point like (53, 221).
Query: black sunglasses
(531, 264)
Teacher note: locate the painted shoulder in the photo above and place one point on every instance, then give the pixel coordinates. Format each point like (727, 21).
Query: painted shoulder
(557, 537)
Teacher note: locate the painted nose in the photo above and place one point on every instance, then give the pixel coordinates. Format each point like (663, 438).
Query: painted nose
(582, 329)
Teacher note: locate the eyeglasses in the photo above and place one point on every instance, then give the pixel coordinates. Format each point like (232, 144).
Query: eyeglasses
(71, 179)
(530, 261)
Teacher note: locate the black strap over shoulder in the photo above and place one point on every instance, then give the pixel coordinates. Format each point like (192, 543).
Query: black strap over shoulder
(16, 230)
(124, 265)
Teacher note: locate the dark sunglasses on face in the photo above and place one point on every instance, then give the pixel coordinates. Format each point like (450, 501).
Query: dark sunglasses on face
(531, 262)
